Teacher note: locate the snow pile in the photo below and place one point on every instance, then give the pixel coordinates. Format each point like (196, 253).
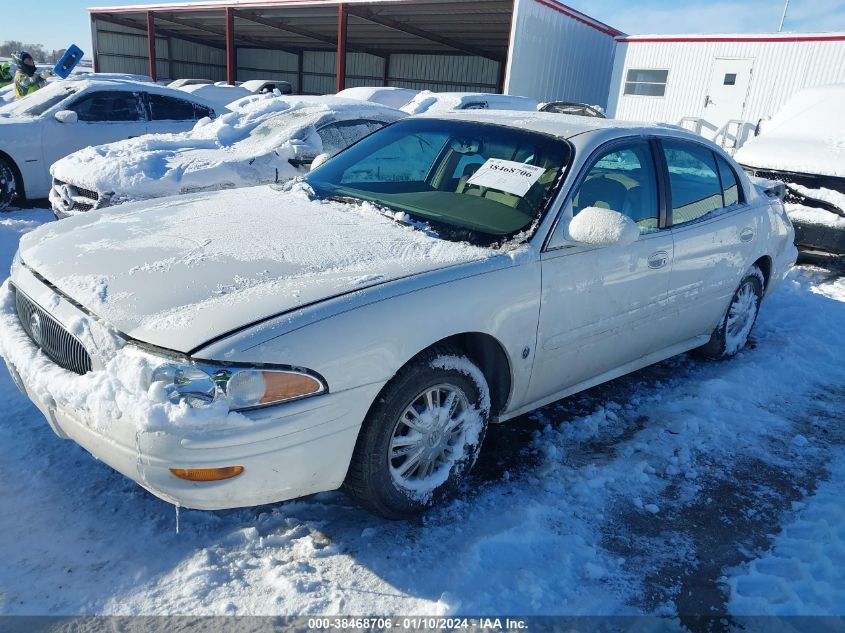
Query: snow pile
(804, 571)
(598, 226)
(807, 135)
(438, 102)
(250, 146)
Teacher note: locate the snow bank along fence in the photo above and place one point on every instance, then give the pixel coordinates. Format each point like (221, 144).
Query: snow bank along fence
(719, 85)
(535, 48)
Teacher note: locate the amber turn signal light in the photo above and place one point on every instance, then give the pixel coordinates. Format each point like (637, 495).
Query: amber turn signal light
(207, 474)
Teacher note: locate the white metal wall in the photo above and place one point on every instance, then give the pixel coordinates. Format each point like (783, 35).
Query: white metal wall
(555, 57)
(780, 69)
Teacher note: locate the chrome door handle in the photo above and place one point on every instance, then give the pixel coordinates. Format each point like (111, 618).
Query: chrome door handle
(747, 235)
(658, 259)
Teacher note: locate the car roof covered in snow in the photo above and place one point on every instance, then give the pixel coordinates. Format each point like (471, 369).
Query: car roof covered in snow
(553, 124)
(427, 101)
(81, 83)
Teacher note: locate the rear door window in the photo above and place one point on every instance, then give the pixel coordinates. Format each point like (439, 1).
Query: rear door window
(109, 106)
(694, 181)
(166, 108)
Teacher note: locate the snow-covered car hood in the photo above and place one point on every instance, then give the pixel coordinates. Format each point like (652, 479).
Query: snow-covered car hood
(807, 135)
(184, 270)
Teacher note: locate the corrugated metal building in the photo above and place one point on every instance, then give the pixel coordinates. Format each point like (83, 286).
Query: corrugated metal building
(535, 48)
(719, 85)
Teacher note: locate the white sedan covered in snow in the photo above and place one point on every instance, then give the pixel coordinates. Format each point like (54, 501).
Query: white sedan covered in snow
(427, 102)
(266, 140)
(360, 328)
(68, 115)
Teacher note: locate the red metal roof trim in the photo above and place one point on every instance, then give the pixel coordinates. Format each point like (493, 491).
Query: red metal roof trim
(752, 38)
(580, 17)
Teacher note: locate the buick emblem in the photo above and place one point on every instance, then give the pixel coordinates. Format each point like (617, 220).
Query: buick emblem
(66, 193)
(35, 328)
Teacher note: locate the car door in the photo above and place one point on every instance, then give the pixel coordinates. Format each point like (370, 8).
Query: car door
(602, 308)
(714, 233)
(104, 116)
(170, 114)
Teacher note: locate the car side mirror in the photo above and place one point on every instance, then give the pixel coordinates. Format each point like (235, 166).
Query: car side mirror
(320, 160)
(602, 227)
(67, 116)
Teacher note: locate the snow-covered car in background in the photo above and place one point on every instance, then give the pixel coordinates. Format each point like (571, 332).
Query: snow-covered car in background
(266, 140)
(572, 107)
(66, 116)
(360, 328)
(441, 102)
(219, 95)
(803, 145)
(181, 83)
(261, 86)
(385, 95)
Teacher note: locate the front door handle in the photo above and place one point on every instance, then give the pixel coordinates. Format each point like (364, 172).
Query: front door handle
(658, 259)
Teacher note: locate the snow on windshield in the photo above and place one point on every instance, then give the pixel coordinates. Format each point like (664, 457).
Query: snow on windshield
(39, 102)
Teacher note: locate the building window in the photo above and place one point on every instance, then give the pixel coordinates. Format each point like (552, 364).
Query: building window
(730, 79)
(646, 82)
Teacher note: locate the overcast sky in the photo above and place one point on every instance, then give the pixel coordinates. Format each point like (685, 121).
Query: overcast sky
(58, 23)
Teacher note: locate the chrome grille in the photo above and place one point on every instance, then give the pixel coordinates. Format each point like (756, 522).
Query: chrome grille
(52, 338)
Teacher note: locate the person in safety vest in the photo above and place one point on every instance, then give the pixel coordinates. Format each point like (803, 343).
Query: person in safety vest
(6, 76)
(27, 80)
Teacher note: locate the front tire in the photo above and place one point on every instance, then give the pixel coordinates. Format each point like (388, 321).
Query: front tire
(735, 328)
(422, 436)
(8, 186)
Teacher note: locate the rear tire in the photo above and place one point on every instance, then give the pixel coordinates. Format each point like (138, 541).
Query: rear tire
(735, 328)
(422, 436)
(8, 185)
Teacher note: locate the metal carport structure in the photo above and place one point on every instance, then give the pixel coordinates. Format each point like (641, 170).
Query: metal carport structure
(322, 46)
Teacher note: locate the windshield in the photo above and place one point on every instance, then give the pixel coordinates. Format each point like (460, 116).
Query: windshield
(39, 102)
(470, 181)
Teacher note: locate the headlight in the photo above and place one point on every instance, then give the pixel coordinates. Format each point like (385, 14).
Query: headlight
(200, 386)
(16, 262)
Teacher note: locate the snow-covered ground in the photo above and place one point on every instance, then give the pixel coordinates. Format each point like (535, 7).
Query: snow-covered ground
(689, 487)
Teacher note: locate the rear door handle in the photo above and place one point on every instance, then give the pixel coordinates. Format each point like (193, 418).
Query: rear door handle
(658, 259)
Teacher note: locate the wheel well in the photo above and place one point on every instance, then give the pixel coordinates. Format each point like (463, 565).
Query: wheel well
(486, 352)
(765, 266)
(20, 191)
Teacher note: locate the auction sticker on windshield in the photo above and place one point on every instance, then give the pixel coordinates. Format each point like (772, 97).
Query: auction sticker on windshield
(507, 176)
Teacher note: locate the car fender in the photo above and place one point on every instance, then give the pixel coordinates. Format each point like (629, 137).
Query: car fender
(354, 341)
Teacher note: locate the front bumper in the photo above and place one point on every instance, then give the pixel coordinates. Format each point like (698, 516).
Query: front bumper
(287, 451)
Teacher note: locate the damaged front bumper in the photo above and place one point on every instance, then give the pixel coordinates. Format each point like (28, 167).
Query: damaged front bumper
(286, 451)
